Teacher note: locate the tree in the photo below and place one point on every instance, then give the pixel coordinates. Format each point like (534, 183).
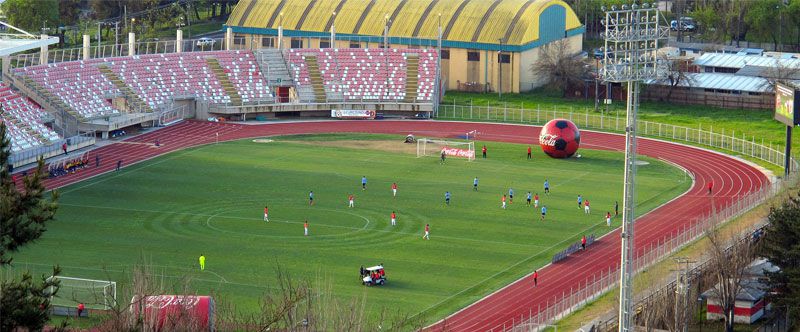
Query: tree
(781, 248)
(677, 73)
(26, 303)
(31, 15)
(762, 18)
(23, 215)
(559, 66)
(729, 264)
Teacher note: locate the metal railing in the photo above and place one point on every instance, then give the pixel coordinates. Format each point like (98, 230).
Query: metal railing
(746, 146)
(27, 156)
(599, 283)
(118, 50)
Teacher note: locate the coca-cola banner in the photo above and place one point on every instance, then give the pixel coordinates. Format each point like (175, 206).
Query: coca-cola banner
(176, 312)
(454, 152)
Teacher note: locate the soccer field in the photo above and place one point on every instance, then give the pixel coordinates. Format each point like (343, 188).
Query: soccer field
(209, 200)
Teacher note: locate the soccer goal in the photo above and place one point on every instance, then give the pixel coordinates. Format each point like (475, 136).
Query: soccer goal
(434, 147)
(94, 294)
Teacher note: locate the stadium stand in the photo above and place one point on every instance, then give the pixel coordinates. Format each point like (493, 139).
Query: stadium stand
(24, 121)
(366, 74)
(78, 84)
(85, 87)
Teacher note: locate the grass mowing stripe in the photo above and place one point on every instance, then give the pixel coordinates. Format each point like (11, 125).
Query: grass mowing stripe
(159, 210)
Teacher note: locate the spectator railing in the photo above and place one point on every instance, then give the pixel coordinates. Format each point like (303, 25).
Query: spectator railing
(28, 156)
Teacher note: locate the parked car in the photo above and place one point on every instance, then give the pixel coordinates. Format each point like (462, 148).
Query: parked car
(205, 41)
(597, 53)
(686, 24)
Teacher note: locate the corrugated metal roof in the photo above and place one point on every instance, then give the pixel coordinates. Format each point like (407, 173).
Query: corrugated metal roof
(739, 61)
(719, 81)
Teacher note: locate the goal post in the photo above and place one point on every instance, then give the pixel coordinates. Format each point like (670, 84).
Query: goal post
(94, 294)
(434, 147)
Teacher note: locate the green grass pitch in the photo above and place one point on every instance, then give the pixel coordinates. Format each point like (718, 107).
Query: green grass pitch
(209, 200)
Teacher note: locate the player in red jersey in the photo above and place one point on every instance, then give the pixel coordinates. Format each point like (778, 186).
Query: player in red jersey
(266, 213)
(394, 218)
(394, 189)
(427, 235)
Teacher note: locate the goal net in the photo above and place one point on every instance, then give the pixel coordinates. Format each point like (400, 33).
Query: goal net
(94, 294)
(434, 147)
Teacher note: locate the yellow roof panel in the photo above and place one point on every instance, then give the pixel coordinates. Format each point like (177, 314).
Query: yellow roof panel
(484, 21)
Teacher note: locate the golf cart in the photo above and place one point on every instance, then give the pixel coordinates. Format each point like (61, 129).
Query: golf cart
(373, 276)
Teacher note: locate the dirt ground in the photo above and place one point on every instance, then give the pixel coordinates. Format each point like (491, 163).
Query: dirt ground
(380, 145)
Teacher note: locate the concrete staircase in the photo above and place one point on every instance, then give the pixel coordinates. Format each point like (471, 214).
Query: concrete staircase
(316, 79)
(273, 67)
(136, 104)
(225, 81)
(412, 79)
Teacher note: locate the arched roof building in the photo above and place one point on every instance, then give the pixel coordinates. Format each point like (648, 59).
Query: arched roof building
(470, 30)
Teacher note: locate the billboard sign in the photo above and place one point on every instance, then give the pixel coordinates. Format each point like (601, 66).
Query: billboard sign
(786, 97)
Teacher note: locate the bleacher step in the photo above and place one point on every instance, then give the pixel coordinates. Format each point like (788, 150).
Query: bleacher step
(412, 80)
(224, 80)
(316, 79)
(131, 97)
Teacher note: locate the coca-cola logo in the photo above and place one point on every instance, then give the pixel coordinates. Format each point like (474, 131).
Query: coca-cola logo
(163, 301)
(458, 152)
(548, 139)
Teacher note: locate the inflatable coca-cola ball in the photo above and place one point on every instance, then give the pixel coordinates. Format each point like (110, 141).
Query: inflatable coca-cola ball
(560, 138)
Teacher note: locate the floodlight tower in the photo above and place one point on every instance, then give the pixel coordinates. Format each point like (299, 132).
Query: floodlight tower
(631, 38)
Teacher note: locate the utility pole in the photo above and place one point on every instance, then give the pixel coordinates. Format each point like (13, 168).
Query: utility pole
(682, 286)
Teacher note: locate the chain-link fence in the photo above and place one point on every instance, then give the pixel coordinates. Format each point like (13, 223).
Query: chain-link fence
(600, 282)
(746, 146)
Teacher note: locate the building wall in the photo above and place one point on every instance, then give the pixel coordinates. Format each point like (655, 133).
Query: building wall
(457, 70)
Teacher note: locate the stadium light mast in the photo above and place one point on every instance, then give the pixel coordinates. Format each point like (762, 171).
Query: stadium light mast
(438, 79)
(631, 45)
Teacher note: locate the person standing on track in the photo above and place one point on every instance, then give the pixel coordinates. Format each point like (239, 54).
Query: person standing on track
(710, 186)
(202, 261)
(535, 278)
(529, 152)
(394, 189)
(394, 218)
(97, 160)
(350, 199)
(266, 213)
(119, 164)
(475, 184)
(583, 243)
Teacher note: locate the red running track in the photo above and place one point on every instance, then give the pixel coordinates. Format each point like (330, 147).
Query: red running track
(731, 178)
